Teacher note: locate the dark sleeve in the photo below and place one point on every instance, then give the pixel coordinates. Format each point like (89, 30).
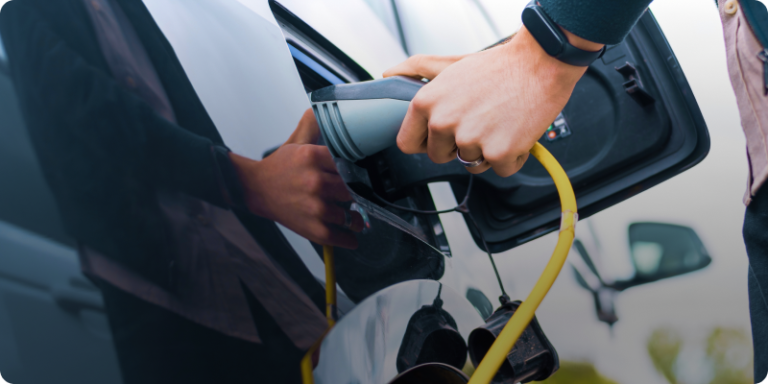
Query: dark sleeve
(69, 103)
(600, 21)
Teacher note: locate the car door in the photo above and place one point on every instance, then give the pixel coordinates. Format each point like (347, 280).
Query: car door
(52, 322)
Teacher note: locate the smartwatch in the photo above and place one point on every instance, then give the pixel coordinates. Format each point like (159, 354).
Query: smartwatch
(552, 39)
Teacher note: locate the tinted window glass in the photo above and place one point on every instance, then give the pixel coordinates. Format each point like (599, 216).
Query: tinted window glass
(114, 115)
(25, 199)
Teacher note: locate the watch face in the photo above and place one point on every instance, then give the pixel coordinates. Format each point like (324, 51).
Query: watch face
(543, 30)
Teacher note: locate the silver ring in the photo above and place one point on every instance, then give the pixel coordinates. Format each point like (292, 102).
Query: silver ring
(347, 219)
(469, 164)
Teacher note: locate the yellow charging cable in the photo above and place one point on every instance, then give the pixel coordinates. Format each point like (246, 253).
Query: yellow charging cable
(524, 314)
(330, 314)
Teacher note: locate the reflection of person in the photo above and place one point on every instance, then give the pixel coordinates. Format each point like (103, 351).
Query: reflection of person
(511, 93)
(164, 215)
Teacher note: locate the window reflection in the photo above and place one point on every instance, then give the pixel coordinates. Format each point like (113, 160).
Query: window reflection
(103, 128)
(439, 27)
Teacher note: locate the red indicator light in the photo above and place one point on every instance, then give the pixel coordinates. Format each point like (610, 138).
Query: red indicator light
(552, 134)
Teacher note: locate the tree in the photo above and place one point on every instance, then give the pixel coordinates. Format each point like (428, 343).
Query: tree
(728, 354)
(572, 372)
(664, 347)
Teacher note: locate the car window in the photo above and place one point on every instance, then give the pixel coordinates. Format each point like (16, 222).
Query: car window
(25, 199)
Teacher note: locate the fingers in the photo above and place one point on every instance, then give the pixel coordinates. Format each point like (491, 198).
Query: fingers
(479, 169)
(330, 225)
(336, 215)
(506, 161)
(422, 66)
(315, 156)
(412, 137)
(331, 188)
(469, 148)
(321, 233)
(341, 238)
(441, 147)
(307, 131)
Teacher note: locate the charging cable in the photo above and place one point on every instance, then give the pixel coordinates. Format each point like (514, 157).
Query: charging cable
(330, 313)
(498, 352)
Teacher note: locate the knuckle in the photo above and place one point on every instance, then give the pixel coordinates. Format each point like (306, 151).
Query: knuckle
(438, 125)
(420, 102)
(316, 208)
(305, 154)
(314, 183)
(466, 140)
(495, 156)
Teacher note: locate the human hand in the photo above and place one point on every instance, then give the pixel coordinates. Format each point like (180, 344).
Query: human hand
(496, 103)
(423, 66)
(299, 187)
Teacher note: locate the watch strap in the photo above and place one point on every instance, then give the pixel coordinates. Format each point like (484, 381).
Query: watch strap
(553, 40)
(577, 56)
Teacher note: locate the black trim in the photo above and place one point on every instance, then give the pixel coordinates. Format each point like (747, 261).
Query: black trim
(281, 12)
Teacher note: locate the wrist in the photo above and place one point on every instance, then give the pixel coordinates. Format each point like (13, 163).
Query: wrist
(248, 172)
(557, 73)
(581, 43)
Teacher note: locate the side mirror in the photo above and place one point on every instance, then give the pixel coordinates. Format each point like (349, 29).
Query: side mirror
(659, 251)
(588, 277)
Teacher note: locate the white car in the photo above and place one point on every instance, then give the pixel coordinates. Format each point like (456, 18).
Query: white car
(631, 124)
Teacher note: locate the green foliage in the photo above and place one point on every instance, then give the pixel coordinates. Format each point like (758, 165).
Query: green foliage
(728, 355)
(663, 347)
(571, 372)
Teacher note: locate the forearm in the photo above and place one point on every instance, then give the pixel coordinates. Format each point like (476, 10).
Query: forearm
(552, 72)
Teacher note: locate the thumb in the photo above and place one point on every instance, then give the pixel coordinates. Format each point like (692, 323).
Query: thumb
(307, 132)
